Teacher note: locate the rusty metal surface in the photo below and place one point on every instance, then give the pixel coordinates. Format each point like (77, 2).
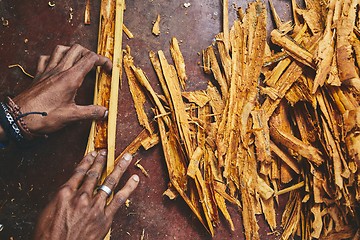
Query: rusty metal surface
(29, 177)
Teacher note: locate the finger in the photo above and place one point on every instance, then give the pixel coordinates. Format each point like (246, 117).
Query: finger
(81, 170)
(121, 196)
(86, 63)
(93, 174)
(93, 112)
(56, 56)
(112, 180)
(42, 63)
(75, 53)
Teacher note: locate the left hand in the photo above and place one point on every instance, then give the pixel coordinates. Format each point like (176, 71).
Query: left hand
(76, 212)
(53, 91)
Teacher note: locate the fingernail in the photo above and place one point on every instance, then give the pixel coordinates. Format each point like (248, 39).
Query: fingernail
(106, 114)
(103, 152)
(94, 154)
(127, 157)
(136, 178)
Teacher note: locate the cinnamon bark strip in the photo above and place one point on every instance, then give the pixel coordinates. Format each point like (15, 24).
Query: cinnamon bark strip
(292, 73)
(98, 133)
(114, 85)
(352, 139)
(128, 32)
(139, 74)
(137, 93)
(291, 142)
(135, 145)
(293, 49)
(226, 30)
(325, 51)
(291, 162)
(200, 98)
(216, 102)
(175, 161)
(262, 141)
(345, 59)
(224, 56)
(179, 107)
(157, 67)
(215, 68)
(87, 16)
(291, 216)
(281, 134)
(178, 61)
(312, 17)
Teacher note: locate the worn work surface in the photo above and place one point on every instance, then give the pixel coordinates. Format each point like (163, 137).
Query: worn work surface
(30, 177)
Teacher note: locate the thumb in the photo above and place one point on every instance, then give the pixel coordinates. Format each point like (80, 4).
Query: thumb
(92, 112)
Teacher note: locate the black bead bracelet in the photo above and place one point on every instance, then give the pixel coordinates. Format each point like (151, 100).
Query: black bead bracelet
(9, 124)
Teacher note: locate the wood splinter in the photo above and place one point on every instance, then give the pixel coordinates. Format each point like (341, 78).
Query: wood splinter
(156, 26)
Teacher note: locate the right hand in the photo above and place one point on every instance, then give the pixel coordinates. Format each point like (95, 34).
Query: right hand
(76, 212)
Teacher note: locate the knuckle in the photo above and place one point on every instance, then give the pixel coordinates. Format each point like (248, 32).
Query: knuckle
(111, 181)
(80, 170)
(89, 158)
(64, 192)
(100, 159)
(93, 56)
(76, 45)
(84, 200)
(121, 167)
(120, 199)
(92, 174)
(59, 48)
(95, 112)
(79, 48)
(43, 57)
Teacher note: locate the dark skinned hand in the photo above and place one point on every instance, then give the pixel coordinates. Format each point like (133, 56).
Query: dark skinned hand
(57, 80)
(76, 212)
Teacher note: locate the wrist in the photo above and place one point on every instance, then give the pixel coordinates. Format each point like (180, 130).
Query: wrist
(9, 125)
(18, 116)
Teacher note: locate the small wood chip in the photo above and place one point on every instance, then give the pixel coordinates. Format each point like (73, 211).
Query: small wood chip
(156, 26)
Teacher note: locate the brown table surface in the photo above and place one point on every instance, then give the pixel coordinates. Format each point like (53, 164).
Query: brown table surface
(29, 177)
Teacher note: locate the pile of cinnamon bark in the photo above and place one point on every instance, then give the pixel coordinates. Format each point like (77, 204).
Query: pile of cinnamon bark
(274, 119)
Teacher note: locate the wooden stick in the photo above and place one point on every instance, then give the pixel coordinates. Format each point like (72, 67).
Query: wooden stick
(87, 18)
(289, 189)
(226, 23)
(114, 90)
(127, 32)
(115, 80)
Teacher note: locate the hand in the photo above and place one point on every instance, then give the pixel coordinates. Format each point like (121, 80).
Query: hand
(57, 80)
(77, 213)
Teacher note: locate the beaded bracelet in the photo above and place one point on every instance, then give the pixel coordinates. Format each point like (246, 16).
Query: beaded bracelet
(9, 124)
(15, 111)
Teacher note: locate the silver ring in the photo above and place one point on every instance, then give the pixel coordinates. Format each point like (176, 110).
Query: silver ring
(106, 189)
